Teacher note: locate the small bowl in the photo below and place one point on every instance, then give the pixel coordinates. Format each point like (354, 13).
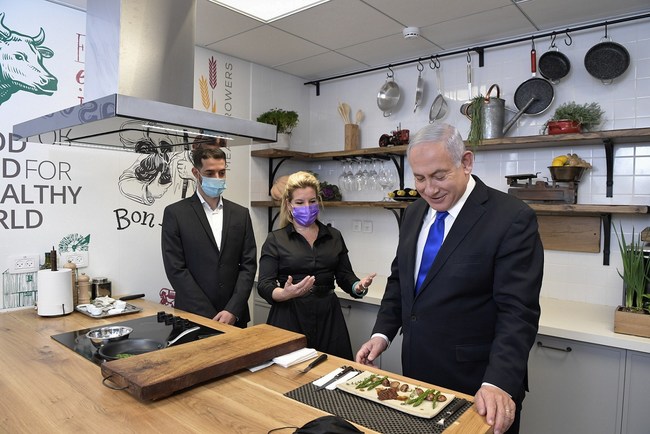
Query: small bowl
(101, 336)
(567, 173)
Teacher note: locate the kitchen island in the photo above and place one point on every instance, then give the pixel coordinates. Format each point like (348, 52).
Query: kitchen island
(46, 387)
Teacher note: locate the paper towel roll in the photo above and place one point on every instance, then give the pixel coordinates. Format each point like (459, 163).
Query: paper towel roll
(54, 292)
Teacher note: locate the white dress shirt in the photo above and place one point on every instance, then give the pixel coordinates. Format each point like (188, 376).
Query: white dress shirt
(215, 218)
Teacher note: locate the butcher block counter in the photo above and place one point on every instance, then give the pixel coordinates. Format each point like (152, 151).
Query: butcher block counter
(46, 387)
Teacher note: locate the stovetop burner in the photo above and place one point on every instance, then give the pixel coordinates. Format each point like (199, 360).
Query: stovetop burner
(162, 327)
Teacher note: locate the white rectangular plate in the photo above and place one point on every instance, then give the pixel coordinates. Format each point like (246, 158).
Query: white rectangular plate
(424, 410)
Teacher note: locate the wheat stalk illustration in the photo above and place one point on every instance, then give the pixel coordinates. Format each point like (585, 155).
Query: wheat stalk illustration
(212, 68)
(205, 98)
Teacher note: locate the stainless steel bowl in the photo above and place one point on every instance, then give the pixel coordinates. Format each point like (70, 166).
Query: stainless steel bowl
(567, 173)
(103, 335)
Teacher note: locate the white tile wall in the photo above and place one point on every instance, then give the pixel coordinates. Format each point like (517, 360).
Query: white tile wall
(569, 276)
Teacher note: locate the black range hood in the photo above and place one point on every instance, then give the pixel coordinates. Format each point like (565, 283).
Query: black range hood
(139, 70)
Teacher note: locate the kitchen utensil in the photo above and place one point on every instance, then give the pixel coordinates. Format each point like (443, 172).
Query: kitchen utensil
(343, 373)
(341, 111)
(493, 114)
(389, 95)
(181, 334)
(452, 409)
(566, 173)
(347, 112)
(313, 364)
(419, 88)
(359, 117)
(131, 297)
(103, 335)
(536, 88)
(439, 106)
(554, 65)
(132, 347)
(607, 60)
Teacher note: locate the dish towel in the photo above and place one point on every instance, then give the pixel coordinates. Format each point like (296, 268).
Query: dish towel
(295, 357)
(434, 241)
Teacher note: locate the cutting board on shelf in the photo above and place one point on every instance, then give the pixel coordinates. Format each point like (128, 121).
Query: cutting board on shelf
(158, 374)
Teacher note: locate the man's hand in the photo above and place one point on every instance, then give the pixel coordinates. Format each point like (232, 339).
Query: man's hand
(371, 350)
(225, 317)
(497, 407)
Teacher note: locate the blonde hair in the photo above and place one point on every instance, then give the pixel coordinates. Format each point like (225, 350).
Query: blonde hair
(296, 181)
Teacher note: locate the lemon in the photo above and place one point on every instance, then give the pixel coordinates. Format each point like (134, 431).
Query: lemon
(560, 161)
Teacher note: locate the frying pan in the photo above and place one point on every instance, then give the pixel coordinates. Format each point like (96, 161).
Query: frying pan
(607, 60)
(129, 346)
(554, 65)
(536, 88)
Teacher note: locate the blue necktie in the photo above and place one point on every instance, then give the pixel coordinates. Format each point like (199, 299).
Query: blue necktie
(434, 241)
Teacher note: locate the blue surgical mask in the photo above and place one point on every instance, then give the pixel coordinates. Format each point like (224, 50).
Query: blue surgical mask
(305, 215)
(213, 187)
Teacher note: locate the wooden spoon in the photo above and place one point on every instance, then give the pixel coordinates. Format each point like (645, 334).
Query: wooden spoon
(359, 117)
(347, 110)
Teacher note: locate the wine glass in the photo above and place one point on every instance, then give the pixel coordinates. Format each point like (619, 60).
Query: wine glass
(386, 179)
(359, 181)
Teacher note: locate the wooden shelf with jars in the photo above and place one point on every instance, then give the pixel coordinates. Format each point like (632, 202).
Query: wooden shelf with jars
(582, 234)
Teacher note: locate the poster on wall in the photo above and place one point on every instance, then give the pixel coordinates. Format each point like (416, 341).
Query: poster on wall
(103, 206)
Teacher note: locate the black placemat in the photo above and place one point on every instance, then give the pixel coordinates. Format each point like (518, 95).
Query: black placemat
(370, 414)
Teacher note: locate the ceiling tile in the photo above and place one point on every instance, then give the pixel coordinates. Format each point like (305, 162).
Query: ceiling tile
(390, 49)
(322, 65)
(215, 23)
(267, 46)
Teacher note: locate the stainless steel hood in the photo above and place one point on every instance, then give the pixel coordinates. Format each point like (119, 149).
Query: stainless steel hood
(139, 84)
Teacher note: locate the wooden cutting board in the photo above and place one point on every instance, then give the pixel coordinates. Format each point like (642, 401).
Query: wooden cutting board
(160, 373)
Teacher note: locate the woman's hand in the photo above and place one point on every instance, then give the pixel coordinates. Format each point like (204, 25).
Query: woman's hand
(292, 290)
(365, 283)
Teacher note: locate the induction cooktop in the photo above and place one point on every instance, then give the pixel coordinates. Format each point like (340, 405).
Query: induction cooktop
(162, 327)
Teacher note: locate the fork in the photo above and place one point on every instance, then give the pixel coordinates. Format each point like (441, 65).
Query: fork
(450, 412)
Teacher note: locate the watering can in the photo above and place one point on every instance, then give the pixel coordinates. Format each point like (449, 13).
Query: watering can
(493, 113)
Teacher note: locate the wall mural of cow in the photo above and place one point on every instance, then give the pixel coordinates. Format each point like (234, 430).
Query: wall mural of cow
(21, 64)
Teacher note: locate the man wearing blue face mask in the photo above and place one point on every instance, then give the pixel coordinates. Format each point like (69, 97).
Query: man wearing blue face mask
(208, 246)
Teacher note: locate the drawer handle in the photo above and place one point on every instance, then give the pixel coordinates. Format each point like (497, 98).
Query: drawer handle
(566, 350)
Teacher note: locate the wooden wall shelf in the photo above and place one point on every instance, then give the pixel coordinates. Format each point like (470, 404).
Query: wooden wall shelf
(581, 234)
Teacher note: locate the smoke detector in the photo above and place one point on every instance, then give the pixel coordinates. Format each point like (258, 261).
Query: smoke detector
(411, 32)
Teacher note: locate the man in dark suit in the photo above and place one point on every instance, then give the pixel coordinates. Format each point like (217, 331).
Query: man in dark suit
(475, 316)
(208, 246)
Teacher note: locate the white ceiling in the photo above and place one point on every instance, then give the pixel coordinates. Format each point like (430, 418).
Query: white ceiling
(343, 36)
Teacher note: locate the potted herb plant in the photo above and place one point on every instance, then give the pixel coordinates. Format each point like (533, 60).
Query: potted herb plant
(572, 117)
(633, 317)
(284, 120)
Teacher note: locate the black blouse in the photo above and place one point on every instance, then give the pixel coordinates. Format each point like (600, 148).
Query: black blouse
(287, 253)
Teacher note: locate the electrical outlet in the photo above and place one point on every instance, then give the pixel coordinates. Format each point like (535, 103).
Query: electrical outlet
(366, 226)
(356, 225)
(79, 258)
(23, 264)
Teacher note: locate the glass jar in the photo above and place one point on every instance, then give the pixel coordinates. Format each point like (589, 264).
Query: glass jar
(101, 287)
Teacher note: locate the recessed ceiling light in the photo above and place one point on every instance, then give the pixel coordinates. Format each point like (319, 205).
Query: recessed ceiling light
(268, 10)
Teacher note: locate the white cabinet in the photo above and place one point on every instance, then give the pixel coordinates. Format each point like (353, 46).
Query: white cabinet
(360, 318)
(636, 413)
(575, 387)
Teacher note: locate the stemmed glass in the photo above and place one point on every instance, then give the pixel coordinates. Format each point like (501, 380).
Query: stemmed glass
(345, 178)
(386, 180)
(359, 181)
(372, 175)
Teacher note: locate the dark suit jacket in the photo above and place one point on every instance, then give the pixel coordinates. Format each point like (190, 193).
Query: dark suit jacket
(208, 279)
(476, 316)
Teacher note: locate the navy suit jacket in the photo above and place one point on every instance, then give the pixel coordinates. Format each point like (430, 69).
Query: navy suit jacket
(476, 316)
(208, 278)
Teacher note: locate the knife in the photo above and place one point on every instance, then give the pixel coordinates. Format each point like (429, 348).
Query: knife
(318, 361)
(451, 411)
(343, 373)
(131, 297)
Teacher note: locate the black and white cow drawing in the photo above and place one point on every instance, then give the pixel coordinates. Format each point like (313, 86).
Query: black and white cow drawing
(21, 64)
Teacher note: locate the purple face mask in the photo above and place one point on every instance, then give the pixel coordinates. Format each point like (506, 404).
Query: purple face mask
(305, 215)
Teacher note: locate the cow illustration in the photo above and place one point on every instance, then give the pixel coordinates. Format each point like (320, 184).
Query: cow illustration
(21, 64)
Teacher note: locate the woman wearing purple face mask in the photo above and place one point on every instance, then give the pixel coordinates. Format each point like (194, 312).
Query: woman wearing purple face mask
(299, 266)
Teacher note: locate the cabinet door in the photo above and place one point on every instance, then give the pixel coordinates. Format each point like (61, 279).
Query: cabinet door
(391, 359)
(575, 387)
(636, 417)
(261, 310)
(359, 318)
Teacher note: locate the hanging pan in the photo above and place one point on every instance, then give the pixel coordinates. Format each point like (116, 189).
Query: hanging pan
(607, 60)
(554, 65)
(536, 94)
(389, 95)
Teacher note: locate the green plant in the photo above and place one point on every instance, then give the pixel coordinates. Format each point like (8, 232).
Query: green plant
(636, 270)
(475, 114)
(284, 120)
(588, 115)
